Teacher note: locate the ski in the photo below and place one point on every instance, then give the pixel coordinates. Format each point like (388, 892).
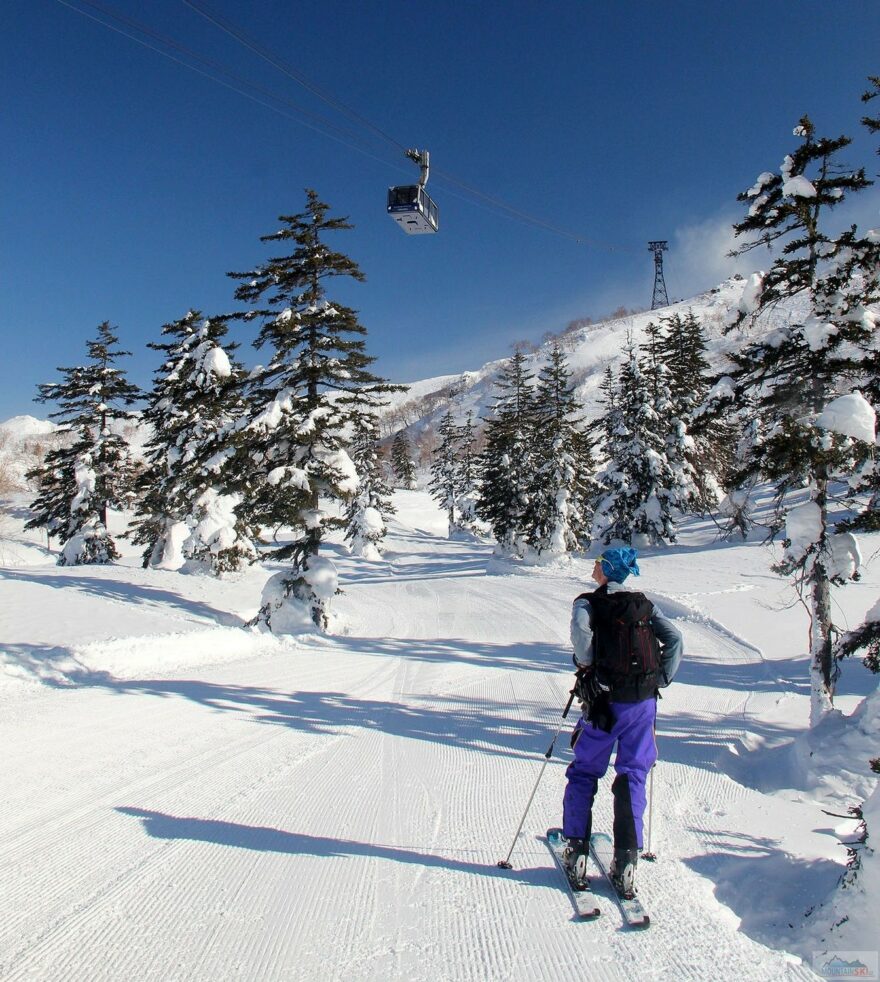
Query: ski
(584, 901)
(633, 912)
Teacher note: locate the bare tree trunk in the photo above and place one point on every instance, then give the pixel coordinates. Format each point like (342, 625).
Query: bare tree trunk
(821, 687)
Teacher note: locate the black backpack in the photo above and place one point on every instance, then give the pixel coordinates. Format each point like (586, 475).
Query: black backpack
(625, 648)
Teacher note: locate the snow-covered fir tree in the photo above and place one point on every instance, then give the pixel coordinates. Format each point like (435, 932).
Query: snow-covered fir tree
(368, 511)
(558, 517)
(680, 449)
(736, 510)
(638, 489)
(187, 508)
(468, 478)
(682, 349)
(301, 407)
(444, 484)
(402, 465)
(506, 460)
(610, 420)
(82, 480)
(797, 374)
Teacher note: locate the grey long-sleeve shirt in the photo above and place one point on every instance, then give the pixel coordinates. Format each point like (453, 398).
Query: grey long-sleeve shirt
(671, 644)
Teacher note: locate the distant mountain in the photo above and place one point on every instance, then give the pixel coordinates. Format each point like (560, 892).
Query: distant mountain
(24, 441)
(23, 428)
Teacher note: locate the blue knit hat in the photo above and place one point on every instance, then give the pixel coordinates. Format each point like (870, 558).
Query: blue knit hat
(617, 564)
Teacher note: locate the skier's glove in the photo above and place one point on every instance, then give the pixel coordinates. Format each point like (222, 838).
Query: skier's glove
(587, 686)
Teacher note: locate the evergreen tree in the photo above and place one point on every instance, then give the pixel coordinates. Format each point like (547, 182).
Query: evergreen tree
(402, 464)
(872, 123)
(506, 461)
(468, 476)
(671, 420)
(560, 487)
(682, 349)
(186, 508)
(301, 405)
(737, 507)
(610, 420)
(793, 373)
(445, 482)
(638, 487)
(81, 481)
(367, 513)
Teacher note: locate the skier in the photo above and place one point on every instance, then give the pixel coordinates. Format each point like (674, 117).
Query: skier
(624, 650)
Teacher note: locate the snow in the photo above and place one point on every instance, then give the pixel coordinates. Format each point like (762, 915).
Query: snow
(803, 529)
(217, 802)
(818, 333)
(843, 557)
(798, 187)
(287, 615)
(850, 415)
(216, 362)
(215, 529)
(322, 576)
(20, 428)
(763, 180)
(172, 556)
(751, 293)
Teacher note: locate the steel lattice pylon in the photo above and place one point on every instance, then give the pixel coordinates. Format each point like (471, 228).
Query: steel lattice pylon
(659, 299)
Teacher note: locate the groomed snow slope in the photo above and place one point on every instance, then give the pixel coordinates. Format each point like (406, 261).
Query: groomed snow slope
(184, 799)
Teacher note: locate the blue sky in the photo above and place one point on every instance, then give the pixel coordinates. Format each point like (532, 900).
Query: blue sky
(132, 184)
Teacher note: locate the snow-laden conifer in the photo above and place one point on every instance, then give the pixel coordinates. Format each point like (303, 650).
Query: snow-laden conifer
(368, 511)
(468, 478)
(444, 483)
(705, 443)
(187, 507)
(793, 373)
(83, 479)
(638, 489)
(671, 421)
(506, 460)
(301, 406)
(402, 465)
(557, 518)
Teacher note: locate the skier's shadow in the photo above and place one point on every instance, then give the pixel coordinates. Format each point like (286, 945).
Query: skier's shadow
(265, 839)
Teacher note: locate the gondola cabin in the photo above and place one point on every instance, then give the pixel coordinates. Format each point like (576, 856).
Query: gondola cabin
(413, 210)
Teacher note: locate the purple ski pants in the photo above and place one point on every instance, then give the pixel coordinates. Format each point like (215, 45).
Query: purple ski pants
(633, 731)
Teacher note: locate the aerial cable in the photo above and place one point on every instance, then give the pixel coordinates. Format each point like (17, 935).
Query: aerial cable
(340, 106)
(276, 62)
(530, 219)
(320, 125)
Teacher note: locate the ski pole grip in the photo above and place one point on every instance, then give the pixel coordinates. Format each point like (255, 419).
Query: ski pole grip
(568, 704)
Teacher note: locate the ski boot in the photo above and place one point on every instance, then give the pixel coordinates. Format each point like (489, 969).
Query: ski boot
(575, 859)
(623, 872)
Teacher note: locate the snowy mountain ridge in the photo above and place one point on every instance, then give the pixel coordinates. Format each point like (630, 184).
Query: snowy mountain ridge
(589, 350)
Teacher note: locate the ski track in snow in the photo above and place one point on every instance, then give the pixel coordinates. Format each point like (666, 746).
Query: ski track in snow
(335, 810)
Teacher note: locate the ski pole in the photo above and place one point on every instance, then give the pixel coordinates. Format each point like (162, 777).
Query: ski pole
(505, 863)
(647, 854)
